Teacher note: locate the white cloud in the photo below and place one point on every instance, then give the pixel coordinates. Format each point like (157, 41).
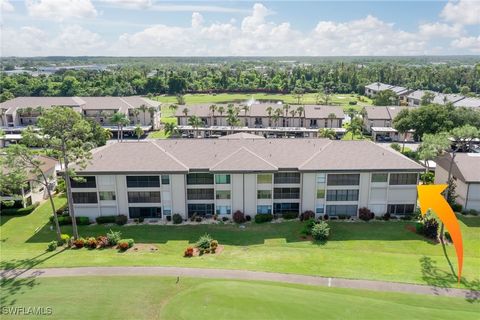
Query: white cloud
(194, 8)
(462, 12)
(468, 43)
(438, 29)
(60, 10)
(6, 6)
(197, 20)
(75, 40)
(131, 4)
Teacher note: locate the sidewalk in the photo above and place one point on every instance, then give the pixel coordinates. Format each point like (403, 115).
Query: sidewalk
(242, 275)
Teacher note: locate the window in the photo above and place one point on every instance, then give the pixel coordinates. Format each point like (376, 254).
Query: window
(320, 208)
(379, 177)
(264, 194)
(223, 210)
(339, 210)
(145, 212)
(287, 177)
(343, 179)
(200, 209)
(144, 197)
(264, 209)
(222, 179)
(167, 210)
(280, 208)
(400, 209)
(107, 195)
(286, 193)
(403, 178)
(264, 178)
(320, 193)
(199, 178)
(143, 182)
(200, 194)
(321, 178)
(223, 194)
(84, 197)
(165, 179)
(342, 195)
(88, 182)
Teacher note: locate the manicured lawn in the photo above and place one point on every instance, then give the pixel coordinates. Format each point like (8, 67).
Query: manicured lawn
(375, 250)
(309, 98)
(161, 298)
(348, 136)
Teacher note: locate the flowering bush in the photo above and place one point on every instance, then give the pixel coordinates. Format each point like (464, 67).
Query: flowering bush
(65, 238)
(365, 214)
(307, 215)
(123, 246)
(188, 252)
(79, 243)
(102, 242)
(320, 231)
(238, 217)
(91, 243)
(129, 243)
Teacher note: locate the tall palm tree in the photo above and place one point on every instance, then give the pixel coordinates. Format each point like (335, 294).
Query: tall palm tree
(355, 127)
(293, 112)
(300, 111)
(245, 109)
(233, 120)
(135, 113)
(120, 120)
(286, 107)
(269, 112)
(331, 117)
(221, 110)
(327, 133)
(278, 112)
(138, 132)
(151, 111)
(212, 109)
(185, 111)
(195, 122)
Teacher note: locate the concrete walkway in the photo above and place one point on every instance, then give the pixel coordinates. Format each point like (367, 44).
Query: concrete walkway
(241, 275)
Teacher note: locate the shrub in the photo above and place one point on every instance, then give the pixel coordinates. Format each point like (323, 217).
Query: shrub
(82, 221)
(203, 242)
(130, 243)
(198, 219)
(352, 103)
(290, 215)
(213, 245)
(79, 243)
(395, 146)
(386, 216)
(52, 246)
(430, 228)
(342, 216)
(102, 242)
(419, 228)
(122, 246)
(365, 214)
(238, 217)
(473, 212)
(225, 219)
(91, 243)
(263, 217)
(105, 219)
(307, 215)
(307, 227)
(188, 252)
(248, 218)
(192, 218)
(19, 211)
(457, 207)
(62, 209)
(65, 238)
(113, 237)
(177, 218)
(169, 218)
(121, 219)
(325, 217)
(320, 231)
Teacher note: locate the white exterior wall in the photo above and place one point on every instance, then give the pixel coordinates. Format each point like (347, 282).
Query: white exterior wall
(473, 201)
(308, 192)
(179, 196)
(468, 193)
(237, 192)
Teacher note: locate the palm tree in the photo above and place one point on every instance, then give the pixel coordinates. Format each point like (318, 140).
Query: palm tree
(327, 133)
(355, 127)
(144, 109)
(351, 112)
(29, 111)
(269, 112)
(233, 120)
(185, 111)
(213, 108)
(331, 117)
(286, 107)
(245, 109)
(278, 113)
(152, 111)
(173, 107)
(195, 122)
(221, 110)
(293, 112)
(138, 132)
(170, 128)
(135, 113)
(108, 133)
(300, 112)
(119, 119)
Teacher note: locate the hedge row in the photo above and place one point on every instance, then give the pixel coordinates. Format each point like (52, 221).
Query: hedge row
(19, 211)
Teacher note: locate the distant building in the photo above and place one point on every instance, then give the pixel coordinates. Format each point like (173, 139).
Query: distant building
(468, 103)
(34, 191)
(466, 174)
(379, 122)
(373, 89)
(260, 119)
(18, 113)
(414, 99)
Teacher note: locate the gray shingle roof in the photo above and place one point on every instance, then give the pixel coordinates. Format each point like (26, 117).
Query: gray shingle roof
(465, 167)
(383, 113)
(468, 103)
(246, 155)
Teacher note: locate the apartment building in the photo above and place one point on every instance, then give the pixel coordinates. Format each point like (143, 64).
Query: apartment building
(373, 89)
(414, 99)
(34, 191)
(466, 175)
(263, 118)
(155, 179)
(17, 113)
(379, 122)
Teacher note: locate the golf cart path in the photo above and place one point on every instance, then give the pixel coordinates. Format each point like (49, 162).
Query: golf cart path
(181, 272)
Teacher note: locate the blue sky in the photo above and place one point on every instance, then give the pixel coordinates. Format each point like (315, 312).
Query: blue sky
(242, 28)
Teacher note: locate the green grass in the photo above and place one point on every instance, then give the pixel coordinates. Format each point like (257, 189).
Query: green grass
(375, 250)
(309, 98)
(348, 136)
(168, 116)
(161, 298)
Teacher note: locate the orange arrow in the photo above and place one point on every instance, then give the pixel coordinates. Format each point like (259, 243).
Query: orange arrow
(430, 197)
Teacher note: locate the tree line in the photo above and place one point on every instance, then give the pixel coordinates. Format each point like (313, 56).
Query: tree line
(271, 77)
